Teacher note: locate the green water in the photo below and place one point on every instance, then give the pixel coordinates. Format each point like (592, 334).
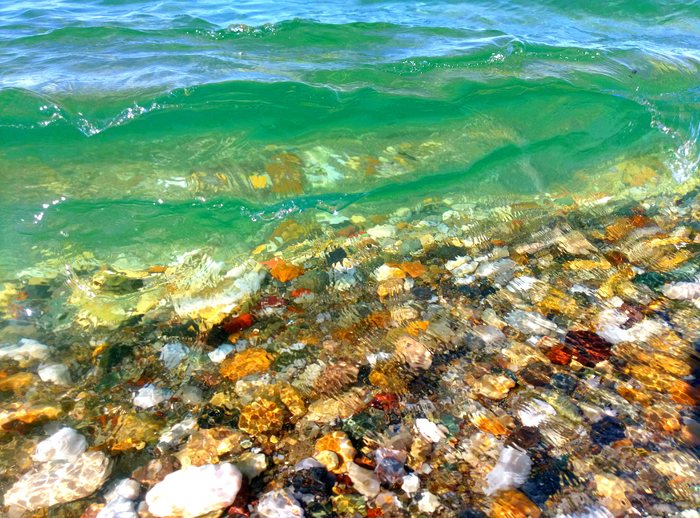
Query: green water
(140, 131)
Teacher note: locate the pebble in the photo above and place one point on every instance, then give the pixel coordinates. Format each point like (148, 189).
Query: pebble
(530, 323)
(313, 481)
(66, 444)
(535, 412)
(194, 491)
(682, 290)
(428, 502)
(55, 373)
(251, 464)
(150, 395)
(411, 484)
(26, 350)
(279, 503)
(382, 231)
(220, 353)
(429, 430)
(510, 472)
(120, 502)
(172, 354)
(363, 480)
(59, 481)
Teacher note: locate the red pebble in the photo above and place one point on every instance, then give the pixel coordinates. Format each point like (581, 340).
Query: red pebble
(588, 347)
(559, 355)
(234, 324)
(386, 402)
(272, 301)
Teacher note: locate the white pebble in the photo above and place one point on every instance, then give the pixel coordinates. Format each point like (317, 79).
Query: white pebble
(149, 396)
(279, 503)
(682, 290)
(172, 354)
(66, 444)
(195, 490)
(429, 430)
(411, 484)
(25, 350)
(512, 471)
(220, 353)
(55, 373)
(363, 480)
(428, 503)
(535, 412)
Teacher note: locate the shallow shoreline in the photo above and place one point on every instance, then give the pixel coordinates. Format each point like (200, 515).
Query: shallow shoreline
(531, 358)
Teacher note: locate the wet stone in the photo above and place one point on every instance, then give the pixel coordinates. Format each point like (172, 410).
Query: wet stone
(313, 481)
(537, 374)
(212, 416)
(587, 347)
(607, 430)
(567, 384)
(422, 292)
(335, 256)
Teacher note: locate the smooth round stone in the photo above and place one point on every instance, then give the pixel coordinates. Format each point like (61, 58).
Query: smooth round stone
(279, 504)
(195, 491)
(66, 444)
(55, 373)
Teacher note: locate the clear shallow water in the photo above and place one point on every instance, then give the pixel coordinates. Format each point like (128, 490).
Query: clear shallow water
(125, 123)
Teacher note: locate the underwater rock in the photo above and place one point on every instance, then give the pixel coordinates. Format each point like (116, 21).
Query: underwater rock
(530, 323)
(414, 353)
(682, 290)
(56, 373)
(607, 430)
(313, 481)
(19, 413)
(279, 503)
(250, 464)
(428, 502)
(513, 504)
(250, 361)
(150, 395)
(220, 353)
(534, 412)
(364, 480)
(493, 386)
(66, 444)
(587, 347)
(510, 472)
(338, 443)
(429, 430)
(411, 484)
(172, 354)
(208, 445)
(261, 416)
(195, 491)
(59, 481)
(335, 377)
(120, 502)
(18, 382)
(25, 351)
(390, 465)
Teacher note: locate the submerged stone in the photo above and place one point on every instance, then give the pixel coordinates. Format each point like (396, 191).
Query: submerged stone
(59, 481)
(195, 491)
(607, 430)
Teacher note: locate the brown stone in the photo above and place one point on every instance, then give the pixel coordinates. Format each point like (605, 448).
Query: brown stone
(513, 504)
(250, 361)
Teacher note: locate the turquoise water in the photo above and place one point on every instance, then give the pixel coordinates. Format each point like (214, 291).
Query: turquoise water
(177, 125)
